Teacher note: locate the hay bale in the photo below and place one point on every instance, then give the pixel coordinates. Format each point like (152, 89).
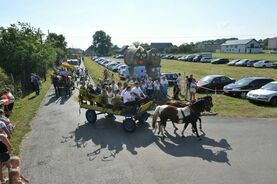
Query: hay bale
(153, 72)
(153, 58)
(135, 56)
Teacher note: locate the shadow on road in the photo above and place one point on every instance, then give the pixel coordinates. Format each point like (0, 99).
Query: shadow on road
(192, 147)
(108, 136)
(58, 100)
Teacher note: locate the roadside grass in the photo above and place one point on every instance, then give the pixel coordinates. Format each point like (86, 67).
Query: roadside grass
(96, 71)
(263, 56)
(24, 110)
(226, 106)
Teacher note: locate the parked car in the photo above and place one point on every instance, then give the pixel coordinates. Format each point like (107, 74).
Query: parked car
(242, 62)
(267, 93)
(190, 58)
(119, 56)
(244, 85)
(251, 63)
(197, 58)
(233, 62)
(274, 65)
(213, 82)
(171, 77)
(205, 60)
(220, 61)
(182, 58)
(263, 64)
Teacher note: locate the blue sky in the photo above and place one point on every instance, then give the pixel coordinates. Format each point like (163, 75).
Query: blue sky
(126, 21)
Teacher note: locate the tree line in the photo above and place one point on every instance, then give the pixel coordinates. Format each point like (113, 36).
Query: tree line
(25, 49)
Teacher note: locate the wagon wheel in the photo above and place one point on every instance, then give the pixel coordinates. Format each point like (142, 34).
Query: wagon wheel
(129, 125)
(91, 116)
(143, 118)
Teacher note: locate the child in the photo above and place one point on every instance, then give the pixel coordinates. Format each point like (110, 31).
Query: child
(110, 94)
(14, 177)
(15, 163)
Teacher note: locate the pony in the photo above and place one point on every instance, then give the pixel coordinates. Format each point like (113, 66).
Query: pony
(178, 103)
(184, 115)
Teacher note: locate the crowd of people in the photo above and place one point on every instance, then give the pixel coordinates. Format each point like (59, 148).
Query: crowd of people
(7, 101)
(190, 88)
(136, 91)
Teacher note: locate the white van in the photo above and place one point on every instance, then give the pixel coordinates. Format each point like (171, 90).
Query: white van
(132, 72)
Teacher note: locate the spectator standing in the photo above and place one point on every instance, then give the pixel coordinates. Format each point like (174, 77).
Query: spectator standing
(179, 82)
(193, 89)
(164, 85)
(11, 100)
(187, 93)
(176, 91)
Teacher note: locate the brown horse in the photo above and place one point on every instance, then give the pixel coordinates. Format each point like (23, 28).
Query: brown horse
(180, 104)
(185, 115)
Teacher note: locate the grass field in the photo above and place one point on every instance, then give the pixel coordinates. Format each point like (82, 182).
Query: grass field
(263, 56)
(24, 110)
(223, 105)
(96, 71)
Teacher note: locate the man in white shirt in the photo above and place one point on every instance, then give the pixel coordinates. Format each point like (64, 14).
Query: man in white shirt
(164, 84)
(137, 91)
(127, 96)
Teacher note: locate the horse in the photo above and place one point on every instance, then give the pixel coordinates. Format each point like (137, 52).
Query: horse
(184, 115)
(180, 104)
(56, 83)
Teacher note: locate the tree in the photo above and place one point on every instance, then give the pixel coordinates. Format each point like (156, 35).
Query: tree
(102, 43)
(23, 51)
(136, 43)
(58, 42)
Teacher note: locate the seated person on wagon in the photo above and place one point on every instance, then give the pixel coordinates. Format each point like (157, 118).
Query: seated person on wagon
(140, 97)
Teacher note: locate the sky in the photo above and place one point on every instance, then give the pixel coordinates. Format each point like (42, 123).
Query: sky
(146, 21)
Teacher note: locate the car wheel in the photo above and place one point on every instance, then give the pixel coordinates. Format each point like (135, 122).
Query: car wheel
(273, 101)
(243, 95)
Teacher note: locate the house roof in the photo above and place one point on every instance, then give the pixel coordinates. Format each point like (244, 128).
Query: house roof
(160, 45)
(238, 42)
(123, 48)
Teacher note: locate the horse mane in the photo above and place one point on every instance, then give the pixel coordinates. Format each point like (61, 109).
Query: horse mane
(198, 106)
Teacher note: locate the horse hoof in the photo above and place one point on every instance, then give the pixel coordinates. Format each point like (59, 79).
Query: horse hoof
(199, 139)
(183, 136)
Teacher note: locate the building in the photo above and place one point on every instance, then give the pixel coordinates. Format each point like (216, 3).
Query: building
(207, 46)
(241, 46)
(161, 46)
(272, 43)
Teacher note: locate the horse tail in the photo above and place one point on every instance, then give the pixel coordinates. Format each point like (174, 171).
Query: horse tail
(155, 116)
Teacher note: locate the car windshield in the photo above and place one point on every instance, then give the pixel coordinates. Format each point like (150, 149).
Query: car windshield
(73, 62)
(206, 79)
(243, 82)
(270, 87)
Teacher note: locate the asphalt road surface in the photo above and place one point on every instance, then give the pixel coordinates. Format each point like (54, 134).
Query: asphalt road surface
(63, 148)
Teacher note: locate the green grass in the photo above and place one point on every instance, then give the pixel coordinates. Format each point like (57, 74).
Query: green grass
(96, 71)
(24, 110)
(225, 105)
(263, 56)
